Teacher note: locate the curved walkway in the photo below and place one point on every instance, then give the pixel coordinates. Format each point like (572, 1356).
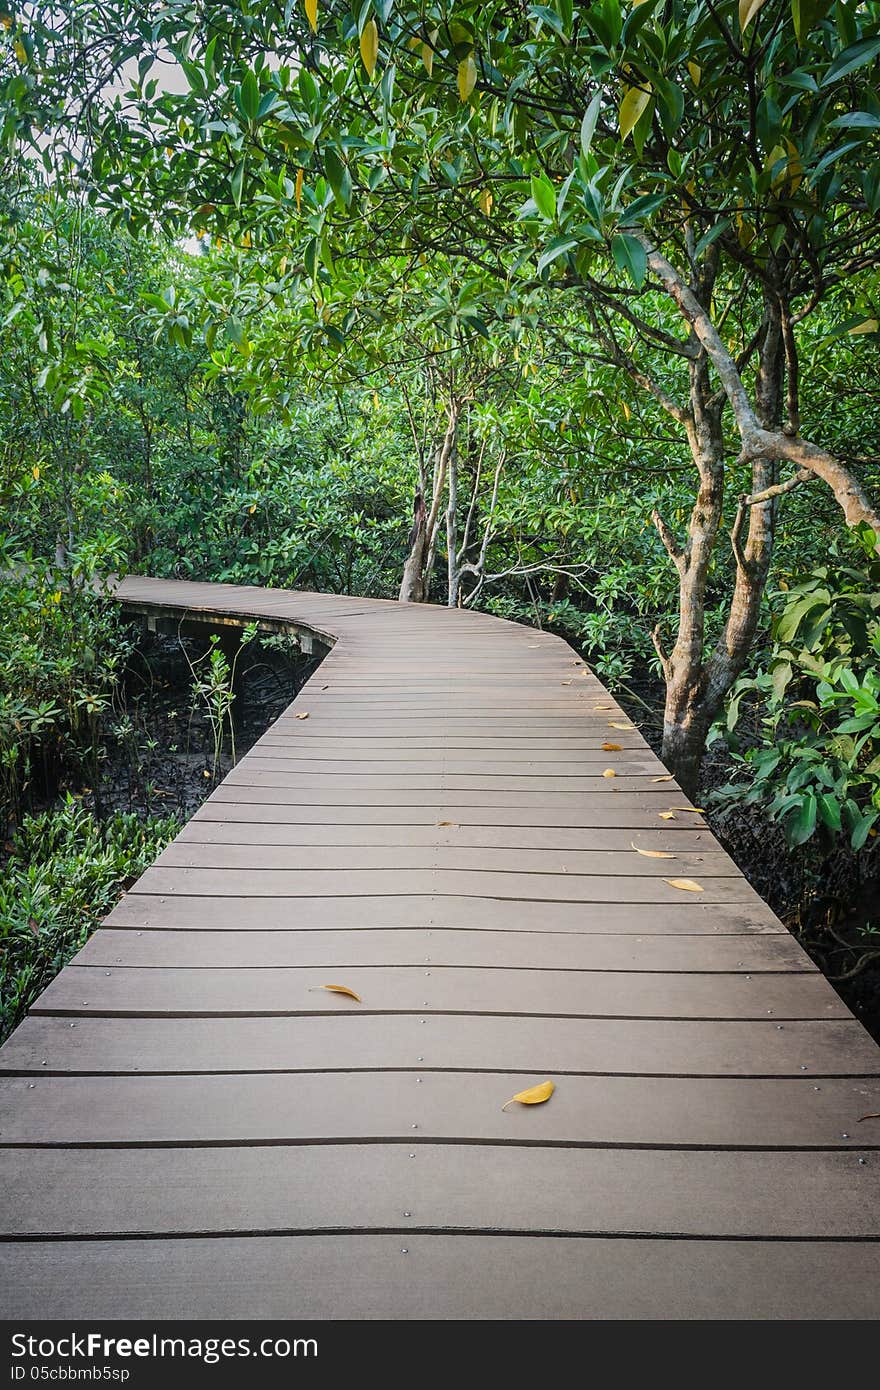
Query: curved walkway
(192, 1126)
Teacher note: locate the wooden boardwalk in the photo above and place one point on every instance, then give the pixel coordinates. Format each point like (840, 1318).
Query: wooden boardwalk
(192, 1126)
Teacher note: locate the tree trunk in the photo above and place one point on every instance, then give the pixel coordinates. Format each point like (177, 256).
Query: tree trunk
(422, 537)
(412, 584)
(452, 570)
(697, 685)
(686, 724)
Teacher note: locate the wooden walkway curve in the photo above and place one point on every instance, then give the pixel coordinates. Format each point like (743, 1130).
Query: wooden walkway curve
(190, 1128)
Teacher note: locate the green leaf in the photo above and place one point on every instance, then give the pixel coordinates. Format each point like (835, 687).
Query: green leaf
(544, 196)
(236, 182)
(829, 811)
(850, 59)
(861, 831)
(557, 247)
(588, 124)
(794, 613)
(642, 207)
(249, 96)
(806, 14)
(858, 120)
(630, 256)
(801, 825)
(337, 176)
(782, 673)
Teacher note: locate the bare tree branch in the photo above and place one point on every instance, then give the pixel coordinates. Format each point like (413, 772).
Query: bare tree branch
(674, 549)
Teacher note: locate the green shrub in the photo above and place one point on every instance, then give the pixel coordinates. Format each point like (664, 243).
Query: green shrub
(64, 872)
(62, 648)
(815, 707)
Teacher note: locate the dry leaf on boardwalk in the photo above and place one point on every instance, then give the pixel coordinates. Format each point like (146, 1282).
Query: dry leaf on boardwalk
(694, 810)
(686, 885)
(612, 748)
(668, 778)
(304, 715)
(453, 823)
(594, 709)
(652, 853)
(338, 989)
(613, 725)
(666, 815)
(609, 772)
(874, 1115)
(535, 1095)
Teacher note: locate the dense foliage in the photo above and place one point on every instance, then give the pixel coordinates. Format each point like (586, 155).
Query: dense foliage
(567, 312)
(63, 872)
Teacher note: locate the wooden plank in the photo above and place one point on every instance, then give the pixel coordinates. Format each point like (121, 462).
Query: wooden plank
(441, 1277)
(673, 836)
(289, 806)
(440, 989)
(207, 912)
(634, 775)
(444, 946)
(513, 887)
(659, 1112)
(709, 1082)
(363, 1187)
(611, 801)
(576, 764)
(47, 1045)
(626, 862)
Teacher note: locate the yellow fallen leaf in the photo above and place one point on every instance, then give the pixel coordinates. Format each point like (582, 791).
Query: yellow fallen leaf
(667, 815)
(565, 682)
(595, 708)
(652, 853)
(612, 748)
(453, 823)
(695, 810)
(338, 989)
(686, 885)
(609, 772)
(304, 715)
(668, 778)
(612, 725)
(535, 1095)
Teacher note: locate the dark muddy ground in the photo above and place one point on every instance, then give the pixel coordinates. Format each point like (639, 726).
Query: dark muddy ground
(156, 755)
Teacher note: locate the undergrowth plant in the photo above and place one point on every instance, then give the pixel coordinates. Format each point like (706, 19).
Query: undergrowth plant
(213, 676)
(62, 649)
(63, 872)
(804, 730)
